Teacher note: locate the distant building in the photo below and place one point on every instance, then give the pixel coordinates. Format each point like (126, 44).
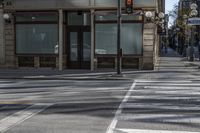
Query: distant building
(181, 39)
(78, 34)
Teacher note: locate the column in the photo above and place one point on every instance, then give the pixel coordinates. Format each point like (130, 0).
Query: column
(9, 40)
(60, 41)
(148, 46)
(92, 41)
(2, 44)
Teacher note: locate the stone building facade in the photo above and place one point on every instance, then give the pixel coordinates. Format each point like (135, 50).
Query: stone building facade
(68, 34)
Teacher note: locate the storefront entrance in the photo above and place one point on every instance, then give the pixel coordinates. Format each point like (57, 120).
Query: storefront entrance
(79, 47)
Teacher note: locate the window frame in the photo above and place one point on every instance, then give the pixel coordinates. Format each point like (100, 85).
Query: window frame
(115, 22)
(34, 22)
(75, 11)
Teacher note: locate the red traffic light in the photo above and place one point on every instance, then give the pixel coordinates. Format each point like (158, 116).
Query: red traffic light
(129, 2)
(129, 6)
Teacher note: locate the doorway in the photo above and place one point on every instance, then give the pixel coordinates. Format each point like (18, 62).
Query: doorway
(79, 47)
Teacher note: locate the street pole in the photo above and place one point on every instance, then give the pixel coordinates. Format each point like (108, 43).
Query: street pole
(119, 51)
(193, 7)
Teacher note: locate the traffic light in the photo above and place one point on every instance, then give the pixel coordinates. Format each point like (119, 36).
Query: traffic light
(1, 3)
(129, 6)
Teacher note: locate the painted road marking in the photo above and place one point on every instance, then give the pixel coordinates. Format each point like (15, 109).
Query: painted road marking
(19, 117)
(177, 118)
(171, 87)
(160, 106)
(24, 100)
(4, 85)
(113, 124)
(162, 118)
(149, 131)
(181, 84)
(165, 81)
(14, 102)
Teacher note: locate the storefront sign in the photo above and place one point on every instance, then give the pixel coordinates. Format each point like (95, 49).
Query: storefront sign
(193, 21)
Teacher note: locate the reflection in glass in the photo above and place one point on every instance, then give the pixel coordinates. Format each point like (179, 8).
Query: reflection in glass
(36, 16)
(36, 38)
(131, 38)
(86, 46)
(73, 46)
(78, 18)
(112, 16)
(106, 38)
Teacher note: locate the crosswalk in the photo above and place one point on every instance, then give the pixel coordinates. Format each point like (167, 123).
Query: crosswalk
(148, 131)
(19, 117)
(159, 107)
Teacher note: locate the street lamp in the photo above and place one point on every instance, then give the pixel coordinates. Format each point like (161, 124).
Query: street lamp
(157, 18)
(7, 17)
(193, 13)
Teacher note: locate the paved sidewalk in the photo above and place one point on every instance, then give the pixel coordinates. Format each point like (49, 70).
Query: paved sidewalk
(187, 63)
(170, 61)
(26, 73)
(31, 73)
(169, 53)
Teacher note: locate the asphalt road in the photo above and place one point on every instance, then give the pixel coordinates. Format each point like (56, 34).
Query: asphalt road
(163, 101)
(59, 106)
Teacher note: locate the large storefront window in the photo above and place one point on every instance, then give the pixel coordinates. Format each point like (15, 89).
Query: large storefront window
(131, 38)
(106, 36)
(36, 38)
(36, 33)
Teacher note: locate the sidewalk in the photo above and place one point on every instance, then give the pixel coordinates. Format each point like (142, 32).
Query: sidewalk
(170, 61)
(67, 74)
(173, 59)
(45, 73)
(169, 53)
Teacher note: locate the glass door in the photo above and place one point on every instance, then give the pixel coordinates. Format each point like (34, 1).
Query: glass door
(79, 48)
(74, 44)
(86, 49)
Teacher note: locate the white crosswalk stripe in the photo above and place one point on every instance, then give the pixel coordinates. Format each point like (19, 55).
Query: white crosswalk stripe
(166, 105)
(149, 131)
(21, 116)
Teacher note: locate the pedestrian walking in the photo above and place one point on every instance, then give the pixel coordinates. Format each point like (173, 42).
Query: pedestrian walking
(188, 52)
(199, 50)
(191, 53)
(165, 49)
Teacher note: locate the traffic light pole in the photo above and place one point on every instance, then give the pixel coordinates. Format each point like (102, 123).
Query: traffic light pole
(119, 51)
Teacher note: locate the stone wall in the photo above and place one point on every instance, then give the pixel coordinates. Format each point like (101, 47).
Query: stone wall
(2, 45)
(9, 38)
(148, 46)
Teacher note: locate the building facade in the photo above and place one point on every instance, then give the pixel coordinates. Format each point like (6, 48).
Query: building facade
(191, 35)
(82, 34)
(181, 41)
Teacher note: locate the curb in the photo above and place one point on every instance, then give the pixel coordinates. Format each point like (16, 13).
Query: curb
(67, 78)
